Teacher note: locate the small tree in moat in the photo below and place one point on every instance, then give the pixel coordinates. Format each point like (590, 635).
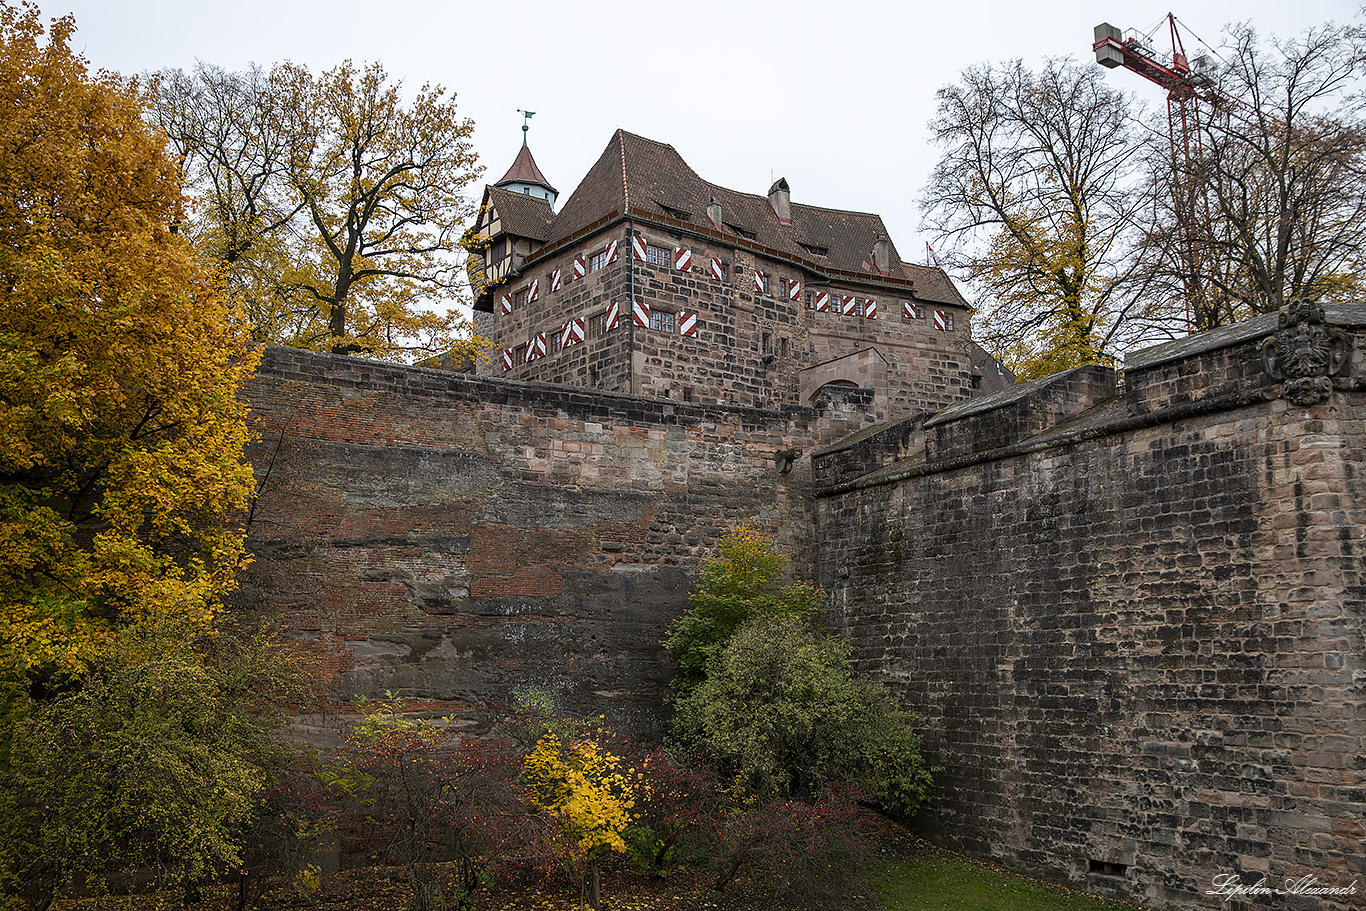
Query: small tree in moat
(771, 698)
(746, 581)
(573, 774)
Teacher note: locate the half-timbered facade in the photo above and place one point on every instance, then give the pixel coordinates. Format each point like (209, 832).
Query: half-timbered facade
(652, 281)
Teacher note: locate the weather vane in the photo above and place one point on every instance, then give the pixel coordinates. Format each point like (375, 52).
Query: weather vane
(526, 116)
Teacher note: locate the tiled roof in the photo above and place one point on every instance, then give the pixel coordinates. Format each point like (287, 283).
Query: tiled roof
(933, 284)
(641, 174)
(635, 174)
(524, 170)
(522, 215)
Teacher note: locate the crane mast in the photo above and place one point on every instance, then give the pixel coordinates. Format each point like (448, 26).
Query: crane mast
(1186, 89)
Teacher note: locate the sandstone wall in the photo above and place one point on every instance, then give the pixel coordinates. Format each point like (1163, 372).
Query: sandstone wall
(1133, 621)
(453, 538)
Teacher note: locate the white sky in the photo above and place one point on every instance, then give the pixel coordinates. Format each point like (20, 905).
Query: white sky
(834, 96)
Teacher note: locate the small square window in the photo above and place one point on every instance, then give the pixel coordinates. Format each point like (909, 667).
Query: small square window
(599, 260)
(657, 256)
(661, 321)
(597, 325)
(519, 298)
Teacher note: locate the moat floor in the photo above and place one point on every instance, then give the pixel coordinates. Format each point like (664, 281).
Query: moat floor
(906, 874)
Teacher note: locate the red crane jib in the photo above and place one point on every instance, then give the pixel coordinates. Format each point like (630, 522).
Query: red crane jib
(1112, 51)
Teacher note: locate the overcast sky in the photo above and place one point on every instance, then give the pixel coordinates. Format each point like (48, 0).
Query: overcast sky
(834, 96)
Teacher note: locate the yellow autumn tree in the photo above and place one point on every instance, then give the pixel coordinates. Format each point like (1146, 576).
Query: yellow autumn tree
(121, 435)
(584, 784)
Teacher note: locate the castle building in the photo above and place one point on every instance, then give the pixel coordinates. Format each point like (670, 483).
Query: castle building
(652, 281)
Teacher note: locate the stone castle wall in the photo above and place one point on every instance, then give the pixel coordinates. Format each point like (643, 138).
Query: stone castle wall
(454, 538)
(1130, 608)
(1131, 615)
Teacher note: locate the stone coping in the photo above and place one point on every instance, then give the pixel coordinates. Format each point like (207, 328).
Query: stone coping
(999, 399)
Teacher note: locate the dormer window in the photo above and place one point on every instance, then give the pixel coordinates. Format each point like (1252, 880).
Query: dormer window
(747, 235)
(676, 213)
(816, 251)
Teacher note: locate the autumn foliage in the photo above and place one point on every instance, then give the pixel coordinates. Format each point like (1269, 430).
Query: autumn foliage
(121, 435)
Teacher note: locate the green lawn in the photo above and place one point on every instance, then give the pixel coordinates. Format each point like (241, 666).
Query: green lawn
(937, 880)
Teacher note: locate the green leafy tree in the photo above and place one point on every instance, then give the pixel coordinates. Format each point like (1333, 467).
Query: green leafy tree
(154, 762)
(782, 712)
(748, 579)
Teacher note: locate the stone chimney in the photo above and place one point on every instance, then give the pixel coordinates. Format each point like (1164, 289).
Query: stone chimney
(780, 198)
(714, 212)
(882, 255)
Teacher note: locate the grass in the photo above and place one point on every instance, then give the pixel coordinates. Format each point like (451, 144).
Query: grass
(932, 879)
(916, 876)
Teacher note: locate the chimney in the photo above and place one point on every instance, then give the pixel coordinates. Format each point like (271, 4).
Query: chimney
(780, 198)
(714, 212)
(882, 255)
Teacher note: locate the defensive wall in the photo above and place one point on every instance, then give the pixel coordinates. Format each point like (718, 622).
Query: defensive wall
(453, 538)
(1130, 607)
(1131, 611)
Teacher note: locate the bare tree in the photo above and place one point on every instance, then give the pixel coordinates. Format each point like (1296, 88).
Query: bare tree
(1282, 172)
(334, 204)
(1038, 194)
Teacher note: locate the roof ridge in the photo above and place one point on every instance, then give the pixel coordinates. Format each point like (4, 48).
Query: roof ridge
(625, 183)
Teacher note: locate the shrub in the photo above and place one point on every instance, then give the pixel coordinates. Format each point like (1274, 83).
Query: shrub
(432, 796)
(791, 845)
(746, 582)
(781, 711)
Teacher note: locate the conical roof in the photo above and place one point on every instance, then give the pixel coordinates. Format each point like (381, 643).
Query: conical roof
(524, 170)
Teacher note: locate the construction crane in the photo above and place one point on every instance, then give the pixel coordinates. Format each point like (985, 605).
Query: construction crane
(1187, 88)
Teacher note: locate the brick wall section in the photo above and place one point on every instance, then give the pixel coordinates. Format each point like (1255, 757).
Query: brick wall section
(451, 537)
(1137, 637)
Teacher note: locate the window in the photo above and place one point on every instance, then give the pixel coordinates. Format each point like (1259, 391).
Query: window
(816, 251)
(782, 347)
(663, 322)
(519, 298)
(599, 260)
(948, 320)
(725, 271)
(657, 256)
(917, 311)
(767, 343)
(811, 300)
(498, 250)
(597, 325)
(782, 289)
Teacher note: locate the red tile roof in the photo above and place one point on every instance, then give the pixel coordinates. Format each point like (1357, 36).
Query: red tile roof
(524, 170)
(635, 175)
